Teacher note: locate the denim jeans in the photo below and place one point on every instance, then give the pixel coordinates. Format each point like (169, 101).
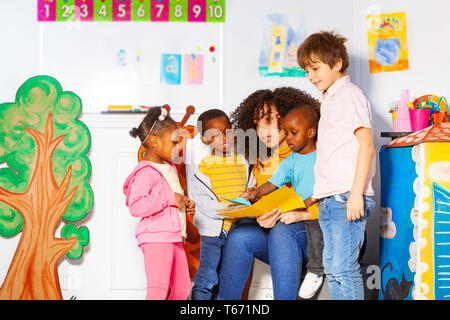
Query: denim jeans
(283, 247)
(342, 243)
(315, 247)
(207, 277)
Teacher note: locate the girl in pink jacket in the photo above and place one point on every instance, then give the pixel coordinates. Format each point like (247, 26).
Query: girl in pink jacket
(153, 193)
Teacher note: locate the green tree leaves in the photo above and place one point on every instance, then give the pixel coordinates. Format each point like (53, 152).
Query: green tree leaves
(34, 100)
(82, 234)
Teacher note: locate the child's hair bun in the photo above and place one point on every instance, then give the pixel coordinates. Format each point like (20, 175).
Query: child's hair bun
(134, 132)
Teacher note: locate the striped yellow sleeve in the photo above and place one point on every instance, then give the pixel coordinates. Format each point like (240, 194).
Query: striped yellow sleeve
(314, 210)
(203, 167)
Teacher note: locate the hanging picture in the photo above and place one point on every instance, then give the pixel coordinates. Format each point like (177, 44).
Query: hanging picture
(388, 50)
(282, 35)
(192, 69)
(170, 69)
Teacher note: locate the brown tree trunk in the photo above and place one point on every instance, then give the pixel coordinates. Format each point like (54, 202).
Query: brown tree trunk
(33, 271)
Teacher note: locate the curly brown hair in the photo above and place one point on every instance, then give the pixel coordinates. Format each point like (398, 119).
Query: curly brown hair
(287, 98)
(258, 105)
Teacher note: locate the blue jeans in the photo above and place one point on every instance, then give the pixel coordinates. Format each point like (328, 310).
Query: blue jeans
(342, 243)
(207, 278)
(283, 247)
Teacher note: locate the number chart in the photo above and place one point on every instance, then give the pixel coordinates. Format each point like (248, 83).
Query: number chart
(131, 10)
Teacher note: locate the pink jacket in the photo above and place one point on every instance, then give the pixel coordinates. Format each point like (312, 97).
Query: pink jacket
(149, 196)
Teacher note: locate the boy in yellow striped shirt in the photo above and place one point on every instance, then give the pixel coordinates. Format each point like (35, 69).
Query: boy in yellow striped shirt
(221, 174)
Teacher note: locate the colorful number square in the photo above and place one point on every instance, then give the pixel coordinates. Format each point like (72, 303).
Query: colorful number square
(84, 10)
(170, 69)
(65, 10)
(102, 10)
(197, 10)
(159, 10)
(140, 10)
(179, 10)
(215, 10)
(46, 10)
(121, 10)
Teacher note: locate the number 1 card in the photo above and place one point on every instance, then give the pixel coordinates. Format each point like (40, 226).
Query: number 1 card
(46, 10)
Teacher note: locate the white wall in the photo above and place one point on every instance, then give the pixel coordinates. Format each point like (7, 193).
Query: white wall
(20, 59)
(429, 66)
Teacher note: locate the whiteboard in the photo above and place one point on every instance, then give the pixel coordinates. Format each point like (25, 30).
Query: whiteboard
(118, 63)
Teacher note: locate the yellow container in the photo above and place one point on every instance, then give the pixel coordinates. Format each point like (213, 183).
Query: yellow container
(393, 118)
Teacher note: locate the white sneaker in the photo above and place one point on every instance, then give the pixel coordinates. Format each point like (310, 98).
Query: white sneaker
(310, 285)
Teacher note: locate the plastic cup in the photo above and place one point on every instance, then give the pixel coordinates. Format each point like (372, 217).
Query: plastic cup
(420, 118)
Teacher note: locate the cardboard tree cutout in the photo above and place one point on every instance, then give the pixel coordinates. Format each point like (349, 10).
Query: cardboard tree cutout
(43, 180)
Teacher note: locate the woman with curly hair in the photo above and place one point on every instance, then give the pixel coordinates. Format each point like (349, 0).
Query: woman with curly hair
(281, 245)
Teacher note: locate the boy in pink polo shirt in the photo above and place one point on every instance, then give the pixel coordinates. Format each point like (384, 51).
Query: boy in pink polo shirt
(345, 163)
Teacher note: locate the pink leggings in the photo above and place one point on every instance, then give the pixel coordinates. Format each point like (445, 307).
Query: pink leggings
(166, 265)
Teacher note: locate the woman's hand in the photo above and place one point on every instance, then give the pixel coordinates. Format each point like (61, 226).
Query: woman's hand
(179, 201)
(269, 219)
(190, 206)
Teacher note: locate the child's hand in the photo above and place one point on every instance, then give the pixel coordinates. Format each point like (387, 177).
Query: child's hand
(179, 201)
(355, 207)
(251, 194)
(190, 206)
(245, 194)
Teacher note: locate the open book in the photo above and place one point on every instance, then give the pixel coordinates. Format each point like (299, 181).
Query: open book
(284, 198)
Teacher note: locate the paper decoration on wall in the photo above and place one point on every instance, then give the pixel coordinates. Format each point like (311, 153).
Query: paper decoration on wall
(193, 69)
(132, 10)
(121, 58)
(43, 181)
(388, 49)
(282, 35)
(170, 68)
(192, 244)
(415, 179)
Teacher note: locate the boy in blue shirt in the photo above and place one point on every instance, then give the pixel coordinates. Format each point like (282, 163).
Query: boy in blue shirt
(300, 127)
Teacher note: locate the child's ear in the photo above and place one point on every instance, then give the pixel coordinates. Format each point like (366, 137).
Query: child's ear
(312, 132)
(338, 65)
(205, 141)
(155, 143)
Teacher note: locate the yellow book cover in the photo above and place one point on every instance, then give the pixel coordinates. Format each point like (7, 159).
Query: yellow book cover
(284, 198)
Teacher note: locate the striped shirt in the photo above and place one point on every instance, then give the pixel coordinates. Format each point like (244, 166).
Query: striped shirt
(228, 178)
